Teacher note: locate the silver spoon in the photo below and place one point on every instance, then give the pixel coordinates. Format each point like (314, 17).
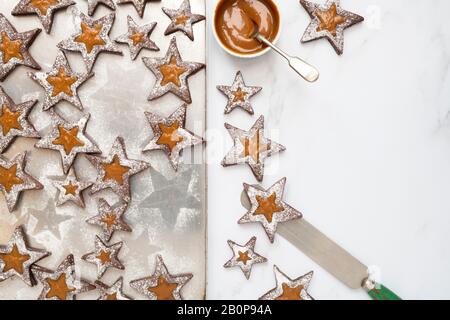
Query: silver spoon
(303, 68)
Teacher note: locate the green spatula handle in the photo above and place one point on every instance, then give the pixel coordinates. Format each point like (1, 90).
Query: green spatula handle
(379, 292)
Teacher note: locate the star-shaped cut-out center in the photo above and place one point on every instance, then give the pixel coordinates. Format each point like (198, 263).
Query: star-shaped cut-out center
(137, 37)
(268, 207)
(171, 72)
(115, 171)
(104, 257)
(163, 290)
(10, 48)
(239, 95)
(9, 120)
(243, 257)
(169, 136)
(61, 83)
(68, 139)
(43, 5)
(181, 20)
(71, 189)
(90, 37)
(110, 220)
(253, 147)
(14, 260)
(9, 178)
(59, 288)
(329, 19)
(290, 293)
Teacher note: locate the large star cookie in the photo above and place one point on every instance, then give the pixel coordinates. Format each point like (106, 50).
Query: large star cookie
(14, 179)
(172, 73)
(14, 120)
(14, 48)
(170, 134)
(251, 147)
(91, 37)
(328, 21)
(268, 207)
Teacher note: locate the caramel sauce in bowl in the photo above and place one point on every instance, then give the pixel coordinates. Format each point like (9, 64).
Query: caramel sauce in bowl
(234, 23)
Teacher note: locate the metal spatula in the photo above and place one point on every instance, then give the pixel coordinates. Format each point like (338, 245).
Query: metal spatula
(329, 255)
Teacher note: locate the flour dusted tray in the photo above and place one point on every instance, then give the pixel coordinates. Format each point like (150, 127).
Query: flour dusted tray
(167, 212)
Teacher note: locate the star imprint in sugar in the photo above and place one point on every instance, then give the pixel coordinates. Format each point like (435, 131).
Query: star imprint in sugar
(288, 289)
(139, 5)
(268, 207)
(170, 134)
(328, 21)
(244, 256)
(104, 256)
(61, 284)
(14, 179)
(14, 48)
(138, 37)
(16, 257)
(162, 285)
(109, 219)
(68, 138)
(115, 170)
(71, 189)
(182, 19)
(14, 120)
(172, 73)
(239, 94)
(114, 292)
(92, 5)
(91, 37)
(44, 9)
(251, 147)
(60, 83)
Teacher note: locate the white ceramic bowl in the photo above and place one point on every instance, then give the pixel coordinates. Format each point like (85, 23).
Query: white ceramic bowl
(243, 55)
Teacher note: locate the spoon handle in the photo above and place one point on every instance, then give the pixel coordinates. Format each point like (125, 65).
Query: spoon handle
(304, 69)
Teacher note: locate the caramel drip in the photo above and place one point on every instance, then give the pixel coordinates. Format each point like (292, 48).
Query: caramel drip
(169, 136)
(10, 48)
(329, 19)
(61, 83)
(9, 120)
(90, 36)
(14, 260)
(68, 139)
(115, 171)
(59, 288)
(9, 178)
(171, 72)
(290, 293)
(163, 290)
(267, 207)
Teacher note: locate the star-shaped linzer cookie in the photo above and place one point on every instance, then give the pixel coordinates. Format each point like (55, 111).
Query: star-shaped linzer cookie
(16, 257)
(244, 256)
(14, 120)
(239, 94)
(328, 21)
(114, 292)
(172, 73)
(104, 256)
(61, 284)
(251, 147)
(14, 48)
(44, 9)
(91, 38)
(288, 289)
(92, 5)
(115, 170)
(138, 37)
(170, 134)
(68, 138)
(71, 189)
(268, 207)
(60, 83)
(14, 179)
(139, 5)
(162, 285)
(110, 219)
(182, 20)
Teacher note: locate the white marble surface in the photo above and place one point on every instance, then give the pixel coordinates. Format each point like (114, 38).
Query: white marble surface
(368, 150)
